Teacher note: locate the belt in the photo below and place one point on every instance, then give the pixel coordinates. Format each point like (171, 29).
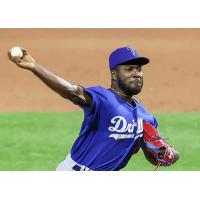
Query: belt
(74, 165)
(80, 168)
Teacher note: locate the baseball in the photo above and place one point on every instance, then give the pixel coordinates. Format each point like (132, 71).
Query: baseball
(16, 52)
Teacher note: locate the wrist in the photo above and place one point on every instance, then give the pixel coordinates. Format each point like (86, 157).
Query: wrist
(34, 66)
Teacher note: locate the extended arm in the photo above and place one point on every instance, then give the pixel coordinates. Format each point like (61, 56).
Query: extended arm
(74, 93)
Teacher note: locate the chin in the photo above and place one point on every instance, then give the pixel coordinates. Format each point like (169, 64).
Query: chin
(131, 88)
(133, 91)
(136, 91)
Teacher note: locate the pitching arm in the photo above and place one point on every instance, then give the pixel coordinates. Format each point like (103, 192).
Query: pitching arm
(74, 93)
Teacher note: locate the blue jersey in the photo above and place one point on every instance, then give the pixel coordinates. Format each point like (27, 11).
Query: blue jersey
(110, 132)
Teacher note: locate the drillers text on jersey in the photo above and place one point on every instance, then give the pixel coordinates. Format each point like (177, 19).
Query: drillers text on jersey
(120, 125)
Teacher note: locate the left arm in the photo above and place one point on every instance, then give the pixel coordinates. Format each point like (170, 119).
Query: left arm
(154, 161)
(156, 150)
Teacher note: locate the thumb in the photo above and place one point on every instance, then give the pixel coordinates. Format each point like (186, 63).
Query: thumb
(25, 52)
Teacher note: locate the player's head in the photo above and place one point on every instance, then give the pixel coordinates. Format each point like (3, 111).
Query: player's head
(126, 70)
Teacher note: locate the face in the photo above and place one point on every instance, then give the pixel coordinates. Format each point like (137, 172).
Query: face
(129, 78)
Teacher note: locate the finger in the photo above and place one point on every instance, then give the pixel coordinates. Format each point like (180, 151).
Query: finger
(17, 61)
(13, 59)
(9, 55)
(20, 63)
(25, 52)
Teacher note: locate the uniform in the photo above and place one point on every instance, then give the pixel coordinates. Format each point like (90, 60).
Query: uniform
(111, 131)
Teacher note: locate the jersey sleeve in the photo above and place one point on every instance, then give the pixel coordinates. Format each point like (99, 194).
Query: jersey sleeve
(95, 100)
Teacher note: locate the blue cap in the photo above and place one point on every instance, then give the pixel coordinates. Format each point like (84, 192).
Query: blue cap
(126, 55)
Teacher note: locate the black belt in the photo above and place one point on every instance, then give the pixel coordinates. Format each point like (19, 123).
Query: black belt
(79, 168)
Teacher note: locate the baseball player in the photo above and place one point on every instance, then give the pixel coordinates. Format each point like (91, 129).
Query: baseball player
(116, 125)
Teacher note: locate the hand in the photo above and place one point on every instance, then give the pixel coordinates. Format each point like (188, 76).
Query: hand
(162, 152)
(26, 62)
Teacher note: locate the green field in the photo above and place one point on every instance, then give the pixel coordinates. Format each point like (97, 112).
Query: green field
(39, 141)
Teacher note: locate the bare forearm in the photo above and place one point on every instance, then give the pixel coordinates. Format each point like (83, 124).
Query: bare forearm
(67, 90)
(56, 83)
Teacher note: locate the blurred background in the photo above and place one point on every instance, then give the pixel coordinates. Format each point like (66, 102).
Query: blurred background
(171, 80)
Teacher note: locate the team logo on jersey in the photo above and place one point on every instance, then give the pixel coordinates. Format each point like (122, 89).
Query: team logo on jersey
(120, 125)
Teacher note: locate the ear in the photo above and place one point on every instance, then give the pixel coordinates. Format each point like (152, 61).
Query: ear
(114, 75)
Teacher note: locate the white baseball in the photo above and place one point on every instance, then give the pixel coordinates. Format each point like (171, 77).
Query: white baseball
(16, 52)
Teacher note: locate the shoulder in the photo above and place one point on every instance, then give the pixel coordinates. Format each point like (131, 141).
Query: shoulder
(98, 91)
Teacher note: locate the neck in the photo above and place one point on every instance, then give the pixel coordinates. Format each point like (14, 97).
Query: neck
(121, 94)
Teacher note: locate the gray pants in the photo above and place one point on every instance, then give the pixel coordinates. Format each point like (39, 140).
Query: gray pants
(70, 165)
